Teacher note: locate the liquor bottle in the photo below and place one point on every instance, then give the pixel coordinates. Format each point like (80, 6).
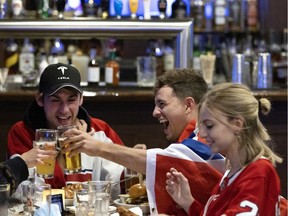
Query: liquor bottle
(235, 15)
(146, 8)
(93, 69)
(133, 6)
(220, 15)
(162, 7)
(112, 69)
(89, 8)
(27, 58)
(31, 8)
(197, 13)
(3, 9)
(12, 57)
(179, 8)
(118, 6)
(209, 15)
(252, 15)
(105, 4)
(43, 9)
(17, 9)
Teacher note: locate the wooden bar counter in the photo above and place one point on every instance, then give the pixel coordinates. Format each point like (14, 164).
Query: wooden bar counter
(129, 111)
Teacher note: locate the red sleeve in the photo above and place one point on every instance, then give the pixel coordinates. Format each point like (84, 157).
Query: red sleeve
(20, 139)
(196, 208)
(100, 125)
(255, 191)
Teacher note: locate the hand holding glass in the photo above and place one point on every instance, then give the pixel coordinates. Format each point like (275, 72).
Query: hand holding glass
(71, 164)
(43, 136)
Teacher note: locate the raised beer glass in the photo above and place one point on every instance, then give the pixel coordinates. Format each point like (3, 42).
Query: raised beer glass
(42, 137)
(71, 164)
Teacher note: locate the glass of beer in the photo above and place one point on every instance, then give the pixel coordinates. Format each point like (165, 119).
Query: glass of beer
(43, 136)
(71, 164)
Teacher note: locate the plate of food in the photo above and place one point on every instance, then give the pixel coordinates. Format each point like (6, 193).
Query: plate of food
(136, 197)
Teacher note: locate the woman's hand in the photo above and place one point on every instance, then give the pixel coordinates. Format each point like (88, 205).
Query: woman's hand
(178, 188)
(37, 154)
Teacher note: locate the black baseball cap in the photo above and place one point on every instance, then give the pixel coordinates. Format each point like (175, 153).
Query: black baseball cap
(57, 76)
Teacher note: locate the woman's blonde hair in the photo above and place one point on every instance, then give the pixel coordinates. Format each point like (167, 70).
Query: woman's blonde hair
(236, 100)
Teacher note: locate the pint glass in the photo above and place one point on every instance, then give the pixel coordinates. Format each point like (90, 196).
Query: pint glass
(71, 164)
(48, 136)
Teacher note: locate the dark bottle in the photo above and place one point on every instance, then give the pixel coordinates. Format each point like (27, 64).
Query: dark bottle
(90, 8)
(179, 8)
(93, 69)
(197, 12)
(105, 4)
(162, 7)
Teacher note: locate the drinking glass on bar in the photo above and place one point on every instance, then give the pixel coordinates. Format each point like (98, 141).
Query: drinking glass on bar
(46, 136)
(71, 164)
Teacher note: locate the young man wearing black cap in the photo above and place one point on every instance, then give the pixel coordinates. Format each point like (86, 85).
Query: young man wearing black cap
(59, 102)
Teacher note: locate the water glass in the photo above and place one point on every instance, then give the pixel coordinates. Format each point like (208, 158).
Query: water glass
(71, 164)
(101, 191)
(146, 71)
(40, 198)
(48, 136)
(4, 197)
(84, 202)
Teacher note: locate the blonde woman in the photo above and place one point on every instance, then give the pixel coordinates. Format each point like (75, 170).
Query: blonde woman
(228, 120)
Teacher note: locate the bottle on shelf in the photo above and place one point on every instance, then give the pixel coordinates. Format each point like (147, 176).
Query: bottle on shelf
(252, 15)
(209, 15)
(93, 76)
(43, 9)
(133, 6)
(197, 13)
(27, 58)
(276, 57)
(112, 70)
(146, 8)
(235, 15)
(17, 9)
(220, 11)
(179, 9)
(162, 7)
(118, 7)
(12, 57)
(3, 9)
(105, 5)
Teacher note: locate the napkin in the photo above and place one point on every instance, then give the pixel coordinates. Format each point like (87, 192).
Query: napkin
(43, 210)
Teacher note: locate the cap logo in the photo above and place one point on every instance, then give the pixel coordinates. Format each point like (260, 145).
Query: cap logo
(62, 68)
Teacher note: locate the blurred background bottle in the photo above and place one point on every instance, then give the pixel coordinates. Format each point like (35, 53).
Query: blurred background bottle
(220, 11)
(133, 6)
(162, 7)
(105, 5)
(93, 69)
(112, 69)
(197, 13)
(12, 57)
(179, 8)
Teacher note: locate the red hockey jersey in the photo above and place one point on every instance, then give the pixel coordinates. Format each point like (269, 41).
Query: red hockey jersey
(255, 190)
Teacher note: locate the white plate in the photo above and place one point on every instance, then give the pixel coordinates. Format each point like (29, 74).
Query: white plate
(72, 209)
(144, 207)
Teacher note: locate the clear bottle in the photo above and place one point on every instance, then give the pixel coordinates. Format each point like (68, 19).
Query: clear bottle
(93, 69)
(112, 71)
(27, 58)
(179, 8)
(17, 9)
(234, 17)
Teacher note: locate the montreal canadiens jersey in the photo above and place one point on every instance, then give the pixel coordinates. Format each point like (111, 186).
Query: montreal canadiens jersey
(253, 190)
